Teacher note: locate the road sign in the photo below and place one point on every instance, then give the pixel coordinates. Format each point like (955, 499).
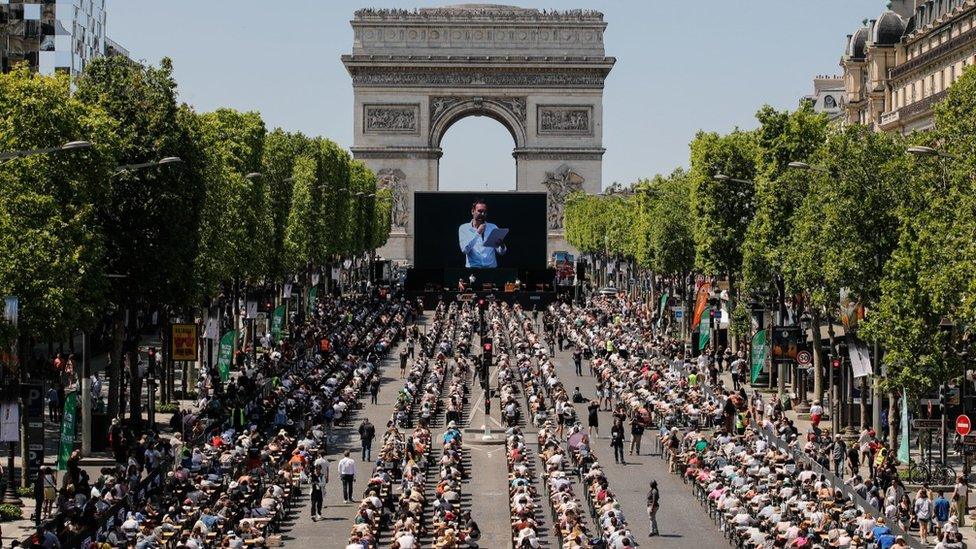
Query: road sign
(679, 314)
(803, 358)
(969, 440)
(963, 426)
(923, 424)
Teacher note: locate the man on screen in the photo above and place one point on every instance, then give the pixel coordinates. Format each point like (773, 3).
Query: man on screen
(472, 237)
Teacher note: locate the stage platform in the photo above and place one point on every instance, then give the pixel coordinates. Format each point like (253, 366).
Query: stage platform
(524, 298)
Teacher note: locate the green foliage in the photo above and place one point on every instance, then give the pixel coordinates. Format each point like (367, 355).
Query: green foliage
(782, 137)
(304, 232)
(25, 491)
(10, 512)
(236, 141)
(150, 214)
(51, 251)
(721, 210)
(281, 149)
(928, 279)
(670, 237)
(170, 408)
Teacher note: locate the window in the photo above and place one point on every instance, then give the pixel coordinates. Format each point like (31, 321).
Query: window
(830, 102)
(32, 12)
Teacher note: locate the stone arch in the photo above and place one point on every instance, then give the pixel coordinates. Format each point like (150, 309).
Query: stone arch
(540, 74)
(510, 112)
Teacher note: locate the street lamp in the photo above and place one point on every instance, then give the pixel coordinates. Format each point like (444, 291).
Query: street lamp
(253, 175)
(126, 168)
(919, 150)
(69, 146)
(722, 178)
(808, 167)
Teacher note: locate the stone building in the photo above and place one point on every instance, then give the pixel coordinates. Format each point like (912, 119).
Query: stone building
(828, 96)
(898, 66)
(540, 74)
(51, 37)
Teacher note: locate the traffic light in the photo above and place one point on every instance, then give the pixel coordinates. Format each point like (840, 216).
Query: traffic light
(943, 390)
(835, 363)
(152, 361)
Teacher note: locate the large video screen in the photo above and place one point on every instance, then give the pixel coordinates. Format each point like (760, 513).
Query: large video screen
(458, 230)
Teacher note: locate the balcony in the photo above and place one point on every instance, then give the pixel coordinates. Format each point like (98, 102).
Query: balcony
(889, 119)
(935, 53)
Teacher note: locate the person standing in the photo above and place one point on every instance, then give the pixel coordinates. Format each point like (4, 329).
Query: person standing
(653, 504)
(593, 418)
(374, 389)
(924, 510)
(838, 452)
(617, 441)
(578, 360)
(636, 432)
(53, 404)
(403, 361)
(941, 510)
(367, 432)
(960, 495)
(347, 473)
(316, 497)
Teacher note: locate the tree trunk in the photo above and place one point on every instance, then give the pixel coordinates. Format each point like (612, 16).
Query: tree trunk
(818, 358)
(135, 388)
(892, 410)
(115, 364)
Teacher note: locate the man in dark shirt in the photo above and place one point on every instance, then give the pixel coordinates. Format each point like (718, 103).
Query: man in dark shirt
(653, 504)
(367, 432)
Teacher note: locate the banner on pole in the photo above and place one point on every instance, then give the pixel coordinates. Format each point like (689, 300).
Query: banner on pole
(663, 304)
(226, 354)
(277, 323)
(903, 449)
(286, 290)
(700, 303)
(312, 295)
(67, 430)
(184, 341)
(759, 351)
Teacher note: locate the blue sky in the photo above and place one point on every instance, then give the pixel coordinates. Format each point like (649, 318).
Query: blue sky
(682, 65)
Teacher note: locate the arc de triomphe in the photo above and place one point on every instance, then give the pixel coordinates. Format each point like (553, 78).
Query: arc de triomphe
(539, 73)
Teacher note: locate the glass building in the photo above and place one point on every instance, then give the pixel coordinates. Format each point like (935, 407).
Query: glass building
(53, 35)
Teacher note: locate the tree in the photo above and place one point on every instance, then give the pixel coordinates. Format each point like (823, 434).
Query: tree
(281, 150)
(303, 230)
(51, 248)
(721, 210)
(781, 138)
(150, 217)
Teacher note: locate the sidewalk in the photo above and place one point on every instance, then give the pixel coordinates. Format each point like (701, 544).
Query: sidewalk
(802, 424)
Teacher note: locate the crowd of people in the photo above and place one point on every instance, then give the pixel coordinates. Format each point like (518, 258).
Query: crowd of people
(764, 484)
(230, 471)
(400, 492)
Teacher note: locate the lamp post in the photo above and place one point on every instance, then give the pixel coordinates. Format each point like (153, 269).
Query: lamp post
(66, 147)
(128, 168)
(801, 373)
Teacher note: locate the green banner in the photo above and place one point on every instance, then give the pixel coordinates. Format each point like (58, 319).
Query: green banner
(759, 352)
(703, 337)
(903, 449)
(663, 305)
(226, 354)
(67, 430)
(312, 295)
(277, 323)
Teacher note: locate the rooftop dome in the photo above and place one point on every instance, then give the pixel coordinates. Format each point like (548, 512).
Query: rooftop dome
(888, 29)
(857, 46)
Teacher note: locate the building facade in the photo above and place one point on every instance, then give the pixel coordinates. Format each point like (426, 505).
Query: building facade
(828, 96)
(53, 35)
(897, 67)
(540, 74)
